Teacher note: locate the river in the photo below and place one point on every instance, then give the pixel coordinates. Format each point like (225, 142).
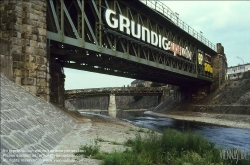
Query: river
(225, 137)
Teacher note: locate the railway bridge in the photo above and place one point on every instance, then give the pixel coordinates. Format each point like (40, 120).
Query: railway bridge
(161, 92)
(136, 39)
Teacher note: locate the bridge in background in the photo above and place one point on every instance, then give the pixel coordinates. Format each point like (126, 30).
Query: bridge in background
(118, 91)
(161, 92)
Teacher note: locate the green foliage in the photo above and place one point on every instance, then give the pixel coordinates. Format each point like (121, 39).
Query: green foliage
(140, 85)
(155, 84)
(100, 155)
(172, 147)
(100, 140)
(115, 143)
(137, 98)
(131, 129)
(129, 143)
(88, 150)
(141, 130)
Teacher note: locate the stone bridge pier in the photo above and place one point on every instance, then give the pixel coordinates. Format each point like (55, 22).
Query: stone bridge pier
(112, 106)
(195, 93)
(219, 64)
(25, 50)
(23, 26)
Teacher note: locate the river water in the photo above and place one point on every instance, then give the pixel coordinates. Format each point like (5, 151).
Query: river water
(225, 137)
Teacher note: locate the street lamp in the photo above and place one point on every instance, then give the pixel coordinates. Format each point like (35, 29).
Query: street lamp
(243, 63)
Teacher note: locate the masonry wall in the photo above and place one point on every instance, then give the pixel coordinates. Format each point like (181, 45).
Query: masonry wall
(6, 59)
(219, 63)
(122, 102)
(23, 26)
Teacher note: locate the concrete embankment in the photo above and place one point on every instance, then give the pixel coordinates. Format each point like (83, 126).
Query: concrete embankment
(122, 102)
(29, 123)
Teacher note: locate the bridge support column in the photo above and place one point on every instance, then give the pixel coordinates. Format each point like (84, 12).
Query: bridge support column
(57, 83)
(162, 97)
(198, 93)
(112, 106)
(219, 63)
(23, 25)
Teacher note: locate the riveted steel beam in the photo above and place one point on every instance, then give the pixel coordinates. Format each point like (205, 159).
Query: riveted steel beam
(86, 30)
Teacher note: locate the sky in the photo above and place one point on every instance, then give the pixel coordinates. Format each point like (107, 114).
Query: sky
(225, 22)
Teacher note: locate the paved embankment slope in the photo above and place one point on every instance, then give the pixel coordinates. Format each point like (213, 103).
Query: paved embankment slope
(109, 133)
(231, 98)
(29, 123)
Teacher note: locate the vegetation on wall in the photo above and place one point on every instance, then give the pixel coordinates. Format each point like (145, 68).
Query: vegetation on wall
(155, 84)
(137, 98)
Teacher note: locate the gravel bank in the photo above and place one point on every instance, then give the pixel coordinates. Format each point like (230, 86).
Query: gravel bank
(230, 120)
(94, 127)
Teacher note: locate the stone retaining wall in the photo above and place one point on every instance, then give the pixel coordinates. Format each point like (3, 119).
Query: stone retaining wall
(122, 102)
(23, 25)
(6, 67)
(223, 109)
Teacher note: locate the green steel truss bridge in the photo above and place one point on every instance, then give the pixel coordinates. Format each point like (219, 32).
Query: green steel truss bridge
(93, 35)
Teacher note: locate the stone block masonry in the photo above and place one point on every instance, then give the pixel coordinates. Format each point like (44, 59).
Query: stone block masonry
(6, 59)
(219, 63)
(23, 25)
(29, 123)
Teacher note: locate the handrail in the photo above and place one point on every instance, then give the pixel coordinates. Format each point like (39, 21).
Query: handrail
(166, 11)
(115, 89)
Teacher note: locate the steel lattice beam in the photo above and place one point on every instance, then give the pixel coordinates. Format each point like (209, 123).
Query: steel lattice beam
(78, 27)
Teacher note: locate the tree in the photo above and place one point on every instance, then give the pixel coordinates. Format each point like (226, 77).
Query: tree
(155, 84)
(137, 98)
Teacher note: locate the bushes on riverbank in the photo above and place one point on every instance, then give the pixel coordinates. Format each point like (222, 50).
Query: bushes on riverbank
(171, 147)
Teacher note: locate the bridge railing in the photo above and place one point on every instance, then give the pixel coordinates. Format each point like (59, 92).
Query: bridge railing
(166, 11)
(115, 90)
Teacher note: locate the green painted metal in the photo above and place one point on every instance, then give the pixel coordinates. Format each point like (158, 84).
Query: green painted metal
(72, 45)
(167, 12)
